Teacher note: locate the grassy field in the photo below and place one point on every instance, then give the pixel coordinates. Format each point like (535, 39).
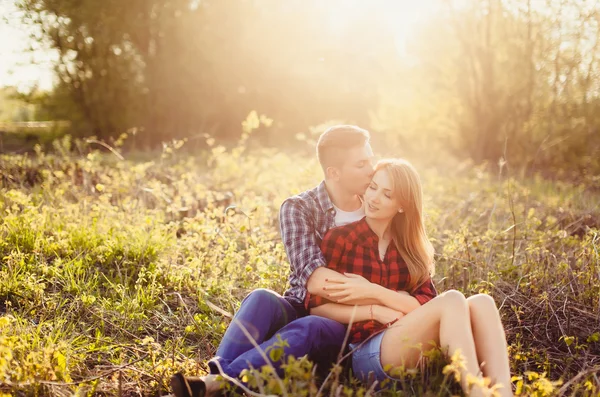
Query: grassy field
(21, 137)
(111, 268)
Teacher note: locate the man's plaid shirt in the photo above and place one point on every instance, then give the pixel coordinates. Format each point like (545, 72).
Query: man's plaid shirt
(304, 219)
(353, 248)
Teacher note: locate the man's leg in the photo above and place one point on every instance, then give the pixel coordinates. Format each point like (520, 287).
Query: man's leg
(262, 313)
(319, 337)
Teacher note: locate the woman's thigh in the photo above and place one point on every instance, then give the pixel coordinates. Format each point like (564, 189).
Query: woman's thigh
(418, 331)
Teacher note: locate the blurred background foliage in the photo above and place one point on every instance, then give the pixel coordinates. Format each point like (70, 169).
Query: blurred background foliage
(489, 80)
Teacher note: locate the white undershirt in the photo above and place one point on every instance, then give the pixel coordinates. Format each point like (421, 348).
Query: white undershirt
(344, 217)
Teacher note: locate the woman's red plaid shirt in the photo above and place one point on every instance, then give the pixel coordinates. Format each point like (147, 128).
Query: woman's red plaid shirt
(353, 248)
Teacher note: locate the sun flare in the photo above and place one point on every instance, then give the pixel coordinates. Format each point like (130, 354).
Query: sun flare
(399, 17)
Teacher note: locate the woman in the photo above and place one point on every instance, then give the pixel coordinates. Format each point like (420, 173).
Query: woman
(387, 254)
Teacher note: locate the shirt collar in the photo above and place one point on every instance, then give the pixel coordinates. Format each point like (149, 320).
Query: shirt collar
(365, 234)
(323, 198)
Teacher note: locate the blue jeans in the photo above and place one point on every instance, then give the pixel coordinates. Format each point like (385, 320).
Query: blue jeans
(265, 314)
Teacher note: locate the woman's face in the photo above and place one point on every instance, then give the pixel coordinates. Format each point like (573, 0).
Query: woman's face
(380, 202)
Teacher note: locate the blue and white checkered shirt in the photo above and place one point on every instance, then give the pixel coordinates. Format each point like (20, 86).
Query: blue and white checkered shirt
(304, 219)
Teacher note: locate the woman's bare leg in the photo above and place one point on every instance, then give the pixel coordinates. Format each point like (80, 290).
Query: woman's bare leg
(490, 341)
(445, 320)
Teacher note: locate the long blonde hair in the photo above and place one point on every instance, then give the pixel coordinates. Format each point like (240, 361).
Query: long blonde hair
(407, 228)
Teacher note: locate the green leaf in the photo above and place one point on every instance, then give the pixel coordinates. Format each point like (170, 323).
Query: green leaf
(276, 354)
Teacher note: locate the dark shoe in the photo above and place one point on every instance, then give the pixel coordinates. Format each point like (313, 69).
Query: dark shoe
(187, 387)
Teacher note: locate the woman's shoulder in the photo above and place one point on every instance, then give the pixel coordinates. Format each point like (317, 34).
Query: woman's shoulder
(348, 232)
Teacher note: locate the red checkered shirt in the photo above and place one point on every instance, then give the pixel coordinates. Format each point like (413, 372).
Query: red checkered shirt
(353, 248)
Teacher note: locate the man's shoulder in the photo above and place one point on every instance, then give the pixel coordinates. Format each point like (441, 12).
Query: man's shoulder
(307, 200)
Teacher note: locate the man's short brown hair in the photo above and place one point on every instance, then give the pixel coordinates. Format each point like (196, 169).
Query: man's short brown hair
(336, 140)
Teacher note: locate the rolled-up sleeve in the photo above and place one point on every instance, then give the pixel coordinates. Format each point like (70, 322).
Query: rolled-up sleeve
(300, 241)
(425, 292)
(332, 247)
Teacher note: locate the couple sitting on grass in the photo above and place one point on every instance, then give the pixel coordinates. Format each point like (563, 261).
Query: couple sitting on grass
(359, 254)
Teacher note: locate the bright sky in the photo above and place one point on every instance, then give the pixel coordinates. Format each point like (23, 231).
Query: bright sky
(400, 15)
(19, 67)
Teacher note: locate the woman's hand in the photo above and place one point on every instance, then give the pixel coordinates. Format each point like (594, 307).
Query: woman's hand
(351, 287)
(385, 315)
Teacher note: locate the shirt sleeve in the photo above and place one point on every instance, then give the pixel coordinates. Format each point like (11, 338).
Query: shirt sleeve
(314, 301)
(299, 239)
(425, 292)
(332, 247)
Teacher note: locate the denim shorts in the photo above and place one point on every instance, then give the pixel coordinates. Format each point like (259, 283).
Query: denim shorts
(366, 362)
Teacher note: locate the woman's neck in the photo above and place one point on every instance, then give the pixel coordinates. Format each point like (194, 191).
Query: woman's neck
(342, 200)
(381, 227)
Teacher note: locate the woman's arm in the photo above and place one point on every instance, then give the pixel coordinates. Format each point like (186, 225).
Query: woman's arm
(356, 287)
(343, 313)
(401, 301)
(406, 302)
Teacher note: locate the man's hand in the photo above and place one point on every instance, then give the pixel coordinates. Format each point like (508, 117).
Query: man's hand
(351, 287)
(385, 315)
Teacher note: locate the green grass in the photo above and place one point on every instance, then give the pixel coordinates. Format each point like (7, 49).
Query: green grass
(110, 268)
(17, 137)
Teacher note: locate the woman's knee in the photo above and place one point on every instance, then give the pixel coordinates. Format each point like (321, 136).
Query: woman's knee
(454, 299)
(482, 302)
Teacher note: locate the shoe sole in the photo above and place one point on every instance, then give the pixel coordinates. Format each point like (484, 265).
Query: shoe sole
(179, 386)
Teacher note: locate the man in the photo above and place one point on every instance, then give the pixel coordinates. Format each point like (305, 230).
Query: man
(345, 155)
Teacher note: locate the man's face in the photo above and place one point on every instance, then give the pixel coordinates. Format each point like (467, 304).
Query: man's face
(357, 170)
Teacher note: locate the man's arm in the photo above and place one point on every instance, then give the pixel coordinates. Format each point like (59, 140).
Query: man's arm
(345, 314)
(299, 239)
(342, 313)
(317, 281)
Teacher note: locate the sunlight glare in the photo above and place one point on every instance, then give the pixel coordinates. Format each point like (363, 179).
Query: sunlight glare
(400, 17)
